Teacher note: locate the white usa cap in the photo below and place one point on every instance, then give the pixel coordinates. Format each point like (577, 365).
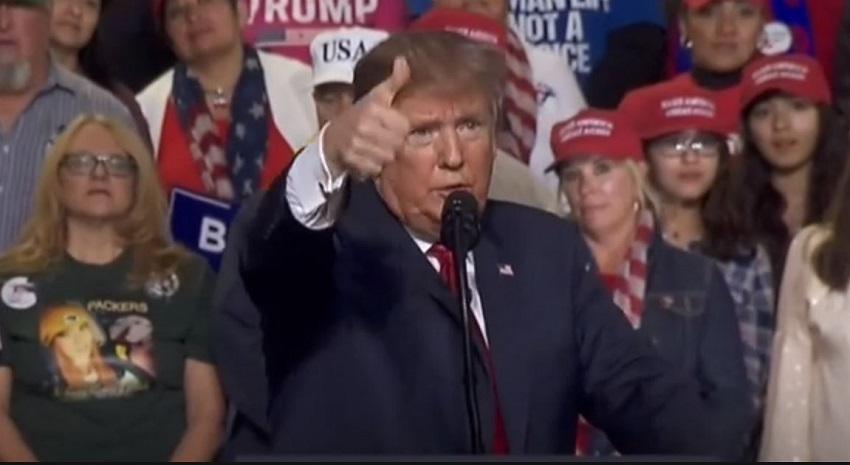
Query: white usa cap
(335, 52)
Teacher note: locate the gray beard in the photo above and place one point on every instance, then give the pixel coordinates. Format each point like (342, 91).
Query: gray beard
(14, 77)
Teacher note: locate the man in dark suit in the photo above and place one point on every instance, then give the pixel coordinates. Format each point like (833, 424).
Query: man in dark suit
(362, 337)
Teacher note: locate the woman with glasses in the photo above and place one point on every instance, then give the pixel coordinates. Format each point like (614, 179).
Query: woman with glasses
(679, 300)
(104, 347)
(699, 188)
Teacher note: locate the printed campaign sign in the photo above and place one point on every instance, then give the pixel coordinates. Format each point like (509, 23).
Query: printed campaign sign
(201, 223)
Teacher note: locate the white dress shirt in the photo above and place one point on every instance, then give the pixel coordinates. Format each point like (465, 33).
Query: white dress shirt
(314, 197)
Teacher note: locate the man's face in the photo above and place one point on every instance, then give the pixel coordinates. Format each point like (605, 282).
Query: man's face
(495, 9)
(331, 99)
(24, 39)
(199, 29)
(451, 146)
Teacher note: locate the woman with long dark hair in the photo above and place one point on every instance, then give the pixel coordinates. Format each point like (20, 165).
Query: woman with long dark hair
(697, 182)
(73, 35)
(808, 417)
(794, 142)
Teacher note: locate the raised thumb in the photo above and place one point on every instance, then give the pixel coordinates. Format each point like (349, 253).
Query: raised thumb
(398, 79)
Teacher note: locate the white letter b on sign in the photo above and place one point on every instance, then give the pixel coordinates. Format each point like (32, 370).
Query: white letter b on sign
(213, 234)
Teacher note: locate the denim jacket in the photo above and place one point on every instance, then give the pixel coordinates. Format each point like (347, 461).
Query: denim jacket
(689, 317)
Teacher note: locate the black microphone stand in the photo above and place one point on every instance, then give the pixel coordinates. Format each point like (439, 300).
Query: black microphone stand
(462, 285)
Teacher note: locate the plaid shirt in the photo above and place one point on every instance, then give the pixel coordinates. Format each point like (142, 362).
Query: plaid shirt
(750, 282)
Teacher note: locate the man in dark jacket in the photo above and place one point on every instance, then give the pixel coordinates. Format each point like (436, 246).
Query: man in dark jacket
(362, 329)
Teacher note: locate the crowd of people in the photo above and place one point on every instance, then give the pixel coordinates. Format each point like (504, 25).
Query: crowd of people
(221, 228)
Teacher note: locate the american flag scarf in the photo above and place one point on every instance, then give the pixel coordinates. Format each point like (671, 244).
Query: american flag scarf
(629, 293)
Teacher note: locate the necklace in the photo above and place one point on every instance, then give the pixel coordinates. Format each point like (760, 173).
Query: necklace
(217, 97)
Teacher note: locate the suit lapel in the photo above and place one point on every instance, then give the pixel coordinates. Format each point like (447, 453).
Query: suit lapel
(382, 246)
(504, 319)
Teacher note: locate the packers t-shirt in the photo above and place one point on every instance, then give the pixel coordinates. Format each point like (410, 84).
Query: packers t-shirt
(98, 362)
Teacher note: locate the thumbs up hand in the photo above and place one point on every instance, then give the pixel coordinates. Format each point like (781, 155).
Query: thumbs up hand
(365, 138)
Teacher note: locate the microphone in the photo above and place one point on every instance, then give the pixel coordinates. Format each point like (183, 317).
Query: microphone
(459, 232)
(460, 224)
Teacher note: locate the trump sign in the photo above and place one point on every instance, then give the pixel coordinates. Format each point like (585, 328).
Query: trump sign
(201, 224)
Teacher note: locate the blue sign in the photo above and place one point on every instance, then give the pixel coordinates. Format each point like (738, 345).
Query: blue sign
(201, 223)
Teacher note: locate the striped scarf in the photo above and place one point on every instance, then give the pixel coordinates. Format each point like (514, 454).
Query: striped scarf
(230, 167)
(631, 286)
(628, 295)
(520, 133)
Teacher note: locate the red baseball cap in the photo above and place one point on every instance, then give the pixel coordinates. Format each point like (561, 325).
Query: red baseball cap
(473, 25)
(669, 108)
(697, 4)
(795, 74)
(592, 131)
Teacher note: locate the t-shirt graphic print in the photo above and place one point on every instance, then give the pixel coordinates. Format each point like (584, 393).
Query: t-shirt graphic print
(101, 349)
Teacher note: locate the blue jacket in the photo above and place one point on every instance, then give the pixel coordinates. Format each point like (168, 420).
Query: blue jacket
(689, 318)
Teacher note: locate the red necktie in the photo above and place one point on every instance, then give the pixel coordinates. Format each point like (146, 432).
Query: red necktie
(447, 273)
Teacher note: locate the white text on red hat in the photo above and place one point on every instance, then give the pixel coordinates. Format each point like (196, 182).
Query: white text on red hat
(780, 70)
(586, 127)
(688, 106)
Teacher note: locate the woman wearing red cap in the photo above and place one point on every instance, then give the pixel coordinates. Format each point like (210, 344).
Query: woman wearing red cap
(678, 299)
(794, 147)
(722, 37)
(807, 413)
(699, 187)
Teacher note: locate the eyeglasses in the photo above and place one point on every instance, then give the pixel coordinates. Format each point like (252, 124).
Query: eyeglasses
(85, 163)
(678, 145)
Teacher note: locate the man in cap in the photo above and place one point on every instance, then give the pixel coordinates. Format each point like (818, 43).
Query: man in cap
(37, 99)
(334, 54)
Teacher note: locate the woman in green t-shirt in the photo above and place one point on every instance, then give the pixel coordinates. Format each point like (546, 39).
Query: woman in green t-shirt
(104, 340)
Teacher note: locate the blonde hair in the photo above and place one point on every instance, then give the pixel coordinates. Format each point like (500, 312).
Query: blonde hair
(143, 229)
(647, 199)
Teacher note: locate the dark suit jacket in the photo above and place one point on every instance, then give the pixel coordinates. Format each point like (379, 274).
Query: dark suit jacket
(239, 346)
(363, 341)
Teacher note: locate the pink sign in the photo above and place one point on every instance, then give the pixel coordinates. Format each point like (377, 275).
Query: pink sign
(288, 26)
